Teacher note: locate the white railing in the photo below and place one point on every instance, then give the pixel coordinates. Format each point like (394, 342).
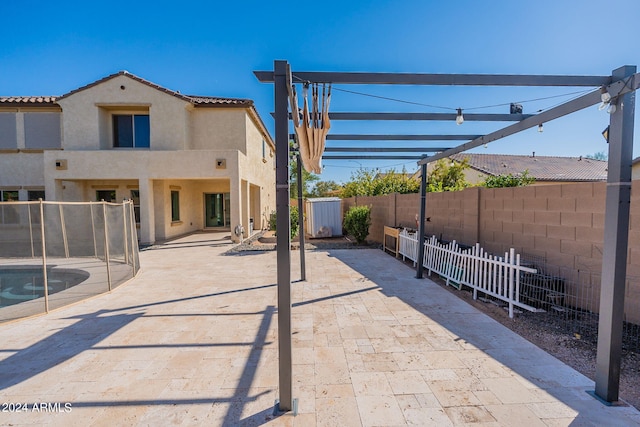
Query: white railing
(489, 274)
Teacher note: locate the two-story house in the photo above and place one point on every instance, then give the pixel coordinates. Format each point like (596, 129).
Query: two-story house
(188, 162)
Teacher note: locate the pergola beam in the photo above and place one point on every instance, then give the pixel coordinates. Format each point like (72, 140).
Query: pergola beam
(384, 149)
(366, 157)
(615, 89)
(439, 79)
(444, 117)
(343, 137)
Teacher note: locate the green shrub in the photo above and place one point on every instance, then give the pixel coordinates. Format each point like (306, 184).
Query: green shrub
(294, 221)
(357, 221)
(509, 180)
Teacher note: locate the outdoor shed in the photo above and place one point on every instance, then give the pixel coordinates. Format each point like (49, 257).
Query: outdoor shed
(324, 217)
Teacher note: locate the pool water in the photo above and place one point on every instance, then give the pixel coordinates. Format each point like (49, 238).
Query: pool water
(20, 284)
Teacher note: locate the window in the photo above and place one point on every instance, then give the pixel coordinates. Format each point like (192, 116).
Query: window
(135, 197)
(35, 195)
(8, 214)
(131, 131)
(9, 195)
(106, 195)
(175, 206)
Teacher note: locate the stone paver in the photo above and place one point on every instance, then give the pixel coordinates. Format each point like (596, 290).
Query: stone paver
(193, 341)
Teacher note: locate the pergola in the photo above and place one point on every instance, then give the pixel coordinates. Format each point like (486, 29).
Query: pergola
(620, 86)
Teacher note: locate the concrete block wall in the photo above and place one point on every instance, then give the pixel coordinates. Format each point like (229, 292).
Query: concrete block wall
(562, 224)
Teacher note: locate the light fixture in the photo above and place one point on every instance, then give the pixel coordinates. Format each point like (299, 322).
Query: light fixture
(515, 108)
(459, 117)
(540, 128)
(605, 97)
(612, 108)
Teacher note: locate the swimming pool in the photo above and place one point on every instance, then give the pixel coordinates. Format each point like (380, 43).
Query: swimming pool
(20, 284)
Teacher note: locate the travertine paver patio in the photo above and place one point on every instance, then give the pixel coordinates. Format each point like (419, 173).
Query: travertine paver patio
(193, 341)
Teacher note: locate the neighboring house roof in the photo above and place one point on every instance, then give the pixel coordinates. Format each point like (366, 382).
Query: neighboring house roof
(542, 168)
(195, 100)
(636, 160)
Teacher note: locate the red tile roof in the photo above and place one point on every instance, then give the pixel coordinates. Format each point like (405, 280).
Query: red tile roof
(542, 168)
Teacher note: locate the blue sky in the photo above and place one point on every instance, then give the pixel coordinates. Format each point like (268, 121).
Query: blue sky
(212, 48)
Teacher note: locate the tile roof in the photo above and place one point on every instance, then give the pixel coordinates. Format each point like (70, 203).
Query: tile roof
(195, 100)
(212, 100)
(28, 100)
(542, 168)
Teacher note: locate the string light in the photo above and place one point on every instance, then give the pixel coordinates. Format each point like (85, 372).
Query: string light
(459, 117)
(540, 128)
(605, 97)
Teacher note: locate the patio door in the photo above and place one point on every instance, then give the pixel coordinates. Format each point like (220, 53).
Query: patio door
(217, 210)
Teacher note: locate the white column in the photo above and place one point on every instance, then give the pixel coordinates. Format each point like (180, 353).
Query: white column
(53, 190)
(236, 205)
(147, 213)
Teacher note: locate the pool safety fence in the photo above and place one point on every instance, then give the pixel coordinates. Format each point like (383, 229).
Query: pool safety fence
(56, 253)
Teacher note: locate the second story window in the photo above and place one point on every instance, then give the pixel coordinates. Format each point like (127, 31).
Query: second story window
(131, 131)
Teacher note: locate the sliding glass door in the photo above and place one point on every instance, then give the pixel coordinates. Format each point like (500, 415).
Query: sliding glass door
(217, 210)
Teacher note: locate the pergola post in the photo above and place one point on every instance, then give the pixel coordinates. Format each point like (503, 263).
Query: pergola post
(303, 272)
(616, 238)
(283, 240)
(423, 205)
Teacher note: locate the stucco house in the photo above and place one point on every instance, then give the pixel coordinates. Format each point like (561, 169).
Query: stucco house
(188, 162)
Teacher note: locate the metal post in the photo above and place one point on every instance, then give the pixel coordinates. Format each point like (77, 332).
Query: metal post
(134, 242)
(283, 225)
(33, 254)
(124, 233)
(44, 259)
(64, 232)
(423, 203)
(106, 244)
(93, 229)
(303, 269)
(616, 239)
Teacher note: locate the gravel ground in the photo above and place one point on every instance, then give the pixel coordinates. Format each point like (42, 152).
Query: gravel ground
(576, 352)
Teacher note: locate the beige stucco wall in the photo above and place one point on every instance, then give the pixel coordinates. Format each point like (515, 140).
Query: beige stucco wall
(86, 124)
(22, 169)
(223, 128)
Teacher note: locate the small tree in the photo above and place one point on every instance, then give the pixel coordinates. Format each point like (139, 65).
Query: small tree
(325, 189)
(366, 182)
(600, 155)
(509, 180)
(448, 175)
(357, 221)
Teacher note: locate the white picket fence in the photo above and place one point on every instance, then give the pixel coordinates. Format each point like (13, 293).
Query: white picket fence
(489, 274)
